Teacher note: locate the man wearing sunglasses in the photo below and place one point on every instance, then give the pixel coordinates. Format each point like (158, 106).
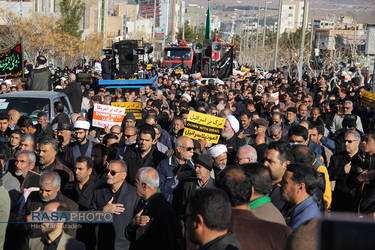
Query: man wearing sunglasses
(118, 197)
(130, 138)
(339, 118)
(344, 198)
(176, 169)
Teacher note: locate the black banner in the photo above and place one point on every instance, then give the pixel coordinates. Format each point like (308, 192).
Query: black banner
(11, 64)
(225, 65)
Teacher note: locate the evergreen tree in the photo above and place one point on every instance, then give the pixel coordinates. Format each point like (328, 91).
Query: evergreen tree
(72, 12)
(190, 33)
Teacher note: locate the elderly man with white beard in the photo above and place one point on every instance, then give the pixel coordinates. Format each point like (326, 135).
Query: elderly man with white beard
(218, 154)
(176, 169)
(229, 137)
(25, 162)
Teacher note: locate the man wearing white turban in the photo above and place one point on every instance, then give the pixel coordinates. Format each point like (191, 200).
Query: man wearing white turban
(82, 146)
(230, 138)
(218, 154)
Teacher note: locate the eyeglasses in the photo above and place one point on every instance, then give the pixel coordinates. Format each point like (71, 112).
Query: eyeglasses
(188, 148)
(112, 172)
(346, 107)
(349, 141)
(128, 136)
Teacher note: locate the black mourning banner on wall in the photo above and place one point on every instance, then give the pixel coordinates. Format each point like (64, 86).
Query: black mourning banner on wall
(11, 61)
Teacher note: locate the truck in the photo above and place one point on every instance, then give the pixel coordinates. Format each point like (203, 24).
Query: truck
(178, 56)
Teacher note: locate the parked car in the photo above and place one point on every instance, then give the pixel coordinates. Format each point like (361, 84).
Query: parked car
(31, 102)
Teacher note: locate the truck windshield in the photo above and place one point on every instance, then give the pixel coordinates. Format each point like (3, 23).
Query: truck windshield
(178, 53)
(26, 106)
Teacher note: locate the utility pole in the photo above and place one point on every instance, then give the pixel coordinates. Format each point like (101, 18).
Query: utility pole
(311, 36)
(251, 35)
(173, 20)
(246, 46)
(277, 35)
(241, 57)
(154, 32)
(304, 24)
(256, 42)
(333, 45)
(264, 30)
(264, 24)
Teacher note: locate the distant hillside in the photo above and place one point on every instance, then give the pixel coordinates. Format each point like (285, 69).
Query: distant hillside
(361, 10)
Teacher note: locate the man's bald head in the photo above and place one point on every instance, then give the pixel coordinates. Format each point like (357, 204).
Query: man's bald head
(72, 77)
(14, 112)
(74, 117)
(246, 154)
(183, 140)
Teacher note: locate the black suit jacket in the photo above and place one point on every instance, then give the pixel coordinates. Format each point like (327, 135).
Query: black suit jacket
(111, 236)
(82, 197)
(160, 231)
(135, 162)
(61, 118)
(74, 93)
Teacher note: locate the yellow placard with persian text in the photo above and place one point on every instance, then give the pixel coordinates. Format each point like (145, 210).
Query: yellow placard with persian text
(200, 125)
(368, 99)
(134, 107)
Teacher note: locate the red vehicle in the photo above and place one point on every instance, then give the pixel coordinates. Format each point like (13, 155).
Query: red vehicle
(180, 56)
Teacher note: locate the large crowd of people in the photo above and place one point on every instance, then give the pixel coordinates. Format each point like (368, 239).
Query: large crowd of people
(283, 162)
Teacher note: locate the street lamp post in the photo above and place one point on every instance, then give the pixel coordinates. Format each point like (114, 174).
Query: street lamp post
(265, 24)
(256, 42)
(264, 29)
(277, 35)
(304, 24)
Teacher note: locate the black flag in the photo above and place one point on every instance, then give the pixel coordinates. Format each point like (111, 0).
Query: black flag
(11, 61)
(225, 65)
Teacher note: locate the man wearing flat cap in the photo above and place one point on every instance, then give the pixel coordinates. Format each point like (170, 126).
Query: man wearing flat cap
(82, 146)
(64, 132)
(40, 78)
(291, 117)
(171, 96)
(260, 131)
(229, 137)
(128, 121)
(260, 125)
(203, 179)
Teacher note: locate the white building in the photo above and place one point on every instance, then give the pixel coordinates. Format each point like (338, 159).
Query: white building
(291, 15)
(27, 8)
(215, 23)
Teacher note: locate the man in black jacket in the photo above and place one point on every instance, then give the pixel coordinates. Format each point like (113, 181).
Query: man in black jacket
(60, 117)
(117, 197)
(74, 93)
(341, 164)
(81, 191)
(155, 223)
(40, 78)
(145, 155)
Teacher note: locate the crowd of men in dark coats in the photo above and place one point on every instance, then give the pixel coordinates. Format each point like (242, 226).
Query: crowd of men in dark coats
(290, 152)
